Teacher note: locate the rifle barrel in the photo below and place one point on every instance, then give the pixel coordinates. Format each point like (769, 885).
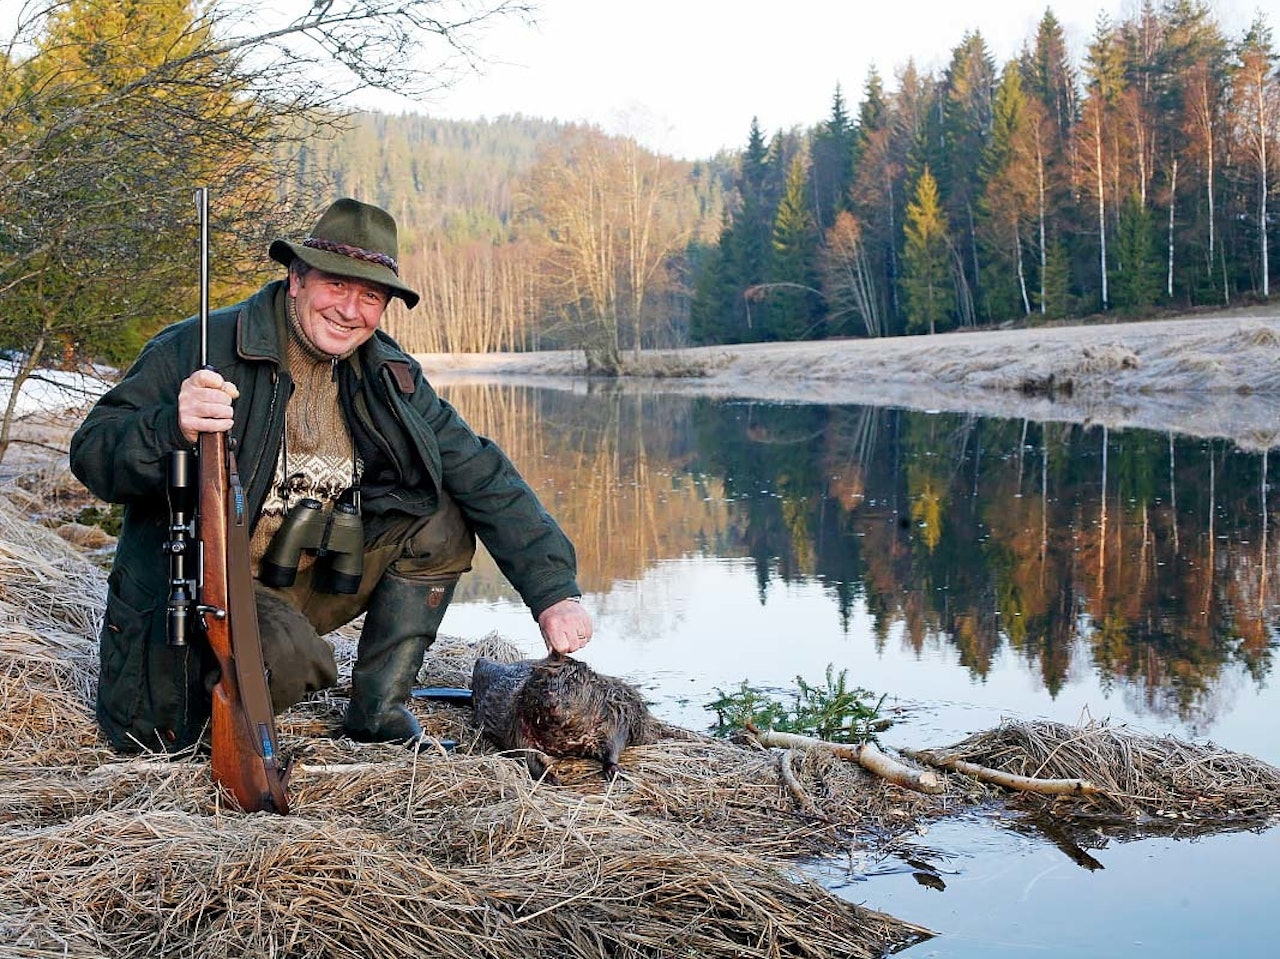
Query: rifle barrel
(202, 205)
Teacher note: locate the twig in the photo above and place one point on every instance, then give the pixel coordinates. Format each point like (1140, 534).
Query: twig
(788, 774)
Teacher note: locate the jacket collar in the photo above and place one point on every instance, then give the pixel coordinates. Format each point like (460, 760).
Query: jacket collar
(261, 325)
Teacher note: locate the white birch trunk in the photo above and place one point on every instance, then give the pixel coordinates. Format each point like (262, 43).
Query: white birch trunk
(1173, 197)
(1102, 209)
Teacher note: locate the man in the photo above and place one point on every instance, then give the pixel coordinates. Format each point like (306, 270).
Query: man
(321, 405)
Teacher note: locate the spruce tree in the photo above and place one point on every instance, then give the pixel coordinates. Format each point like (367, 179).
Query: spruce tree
(722, 310)
(831, 169)
(926, 281)
(1054, 301)
(968, 95)
(1135, 276)
(711, 311)
(795, 301)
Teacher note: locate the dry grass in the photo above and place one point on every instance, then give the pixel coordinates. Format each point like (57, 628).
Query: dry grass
(696, 850)
(387, 851)
(1141, 777)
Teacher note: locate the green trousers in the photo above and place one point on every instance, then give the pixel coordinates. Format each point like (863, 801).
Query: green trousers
(433, 551)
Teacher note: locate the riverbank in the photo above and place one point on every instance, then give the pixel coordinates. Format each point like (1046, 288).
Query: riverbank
(1210, 375)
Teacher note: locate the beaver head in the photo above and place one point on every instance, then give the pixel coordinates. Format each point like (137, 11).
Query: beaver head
(558, 706)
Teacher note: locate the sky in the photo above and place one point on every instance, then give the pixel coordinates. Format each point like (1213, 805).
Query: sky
(686, 77)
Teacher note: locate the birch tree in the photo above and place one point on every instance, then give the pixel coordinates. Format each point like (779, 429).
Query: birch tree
(607, 211)
(1256, 96)
(847, 276)
(1097, 135)
(1051, 85)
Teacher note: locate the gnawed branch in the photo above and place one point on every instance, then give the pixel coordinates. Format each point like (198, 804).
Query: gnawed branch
(1049, 787)
(798, 792)
(867, 755)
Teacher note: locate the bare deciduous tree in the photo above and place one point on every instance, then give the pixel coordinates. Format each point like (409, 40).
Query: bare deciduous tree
(847, 277)
(111, 113)
(1256, 93)
(610, 216)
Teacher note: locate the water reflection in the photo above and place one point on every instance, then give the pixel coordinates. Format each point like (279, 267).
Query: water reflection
(970, 568)
(1009, 896)
(1142, 559)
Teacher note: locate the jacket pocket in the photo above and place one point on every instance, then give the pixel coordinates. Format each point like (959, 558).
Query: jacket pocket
(150, 695)
(122, 675)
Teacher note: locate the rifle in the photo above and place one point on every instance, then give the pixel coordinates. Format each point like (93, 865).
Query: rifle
(244, 743)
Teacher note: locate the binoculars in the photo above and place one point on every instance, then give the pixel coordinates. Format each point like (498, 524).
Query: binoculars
(336, 537)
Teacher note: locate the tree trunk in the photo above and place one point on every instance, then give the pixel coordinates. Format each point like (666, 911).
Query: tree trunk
(1102, 208)
(1022, 276)
(22, 372)
(1173, 197)
(1044, 244)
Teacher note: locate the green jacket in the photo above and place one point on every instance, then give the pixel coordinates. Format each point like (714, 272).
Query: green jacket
(413, 445)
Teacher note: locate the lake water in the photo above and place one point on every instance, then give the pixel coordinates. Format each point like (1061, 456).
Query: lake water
(968, 569)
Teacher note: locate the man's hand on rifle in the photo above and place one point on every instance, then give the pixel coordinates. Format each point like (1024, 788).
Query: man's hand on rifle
(204, 404)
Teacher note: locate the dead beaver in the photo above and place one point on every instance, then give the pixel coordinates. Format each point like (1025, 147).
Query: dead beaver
(559, 706)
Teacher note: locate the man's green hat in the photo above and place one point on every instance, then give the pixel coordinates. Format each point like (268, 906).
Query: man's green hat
(351, 239)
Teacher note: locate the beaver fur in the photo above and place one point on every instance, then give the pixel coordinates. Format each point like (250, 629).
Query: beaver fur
(559, 706)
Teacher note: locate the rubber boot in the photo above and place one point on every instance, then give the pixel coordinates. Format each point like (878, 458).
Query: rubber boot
(400, 622)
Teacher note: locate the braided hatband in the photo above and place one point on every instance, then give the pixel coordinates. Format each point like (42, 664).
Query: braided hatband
(343, 249)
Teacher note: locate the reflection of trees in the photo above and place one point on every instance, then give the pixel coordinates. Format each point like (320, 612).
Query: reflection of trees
(1148, 554)
(588, 459)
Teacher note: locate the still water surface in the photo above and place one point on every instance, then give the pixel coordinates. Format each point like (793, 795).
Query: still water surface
(967, 568)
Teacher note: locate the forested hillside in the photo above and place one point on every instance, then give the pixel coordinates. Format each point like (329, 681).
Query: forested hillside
(1141, 178)
(522, 232)
(445, 179)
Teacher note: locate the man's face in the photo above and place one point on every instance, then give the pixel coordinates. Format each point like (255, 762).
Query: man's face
(337, 313)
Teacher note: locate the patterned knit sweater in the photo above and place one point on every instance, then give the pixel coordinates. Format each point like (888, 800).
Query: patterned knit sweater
(316, 458)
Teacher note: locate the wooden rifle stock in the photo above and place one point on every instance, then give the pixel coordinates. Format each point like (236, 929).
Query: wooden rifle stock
(244, 757)
(245, 747)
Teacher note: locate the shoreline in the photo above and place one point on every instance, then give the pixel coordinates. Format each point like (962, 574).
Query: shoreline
(1210, 376)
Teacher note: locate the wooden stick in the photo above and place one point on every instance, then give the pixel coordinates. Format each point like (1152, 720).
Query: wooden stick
(866, 755)
(797, 791)
(146, 766)
(1050, 787)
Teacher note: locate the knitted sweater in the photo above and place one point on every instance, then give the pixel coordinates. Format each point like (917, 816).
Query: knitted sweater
(316, 458)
